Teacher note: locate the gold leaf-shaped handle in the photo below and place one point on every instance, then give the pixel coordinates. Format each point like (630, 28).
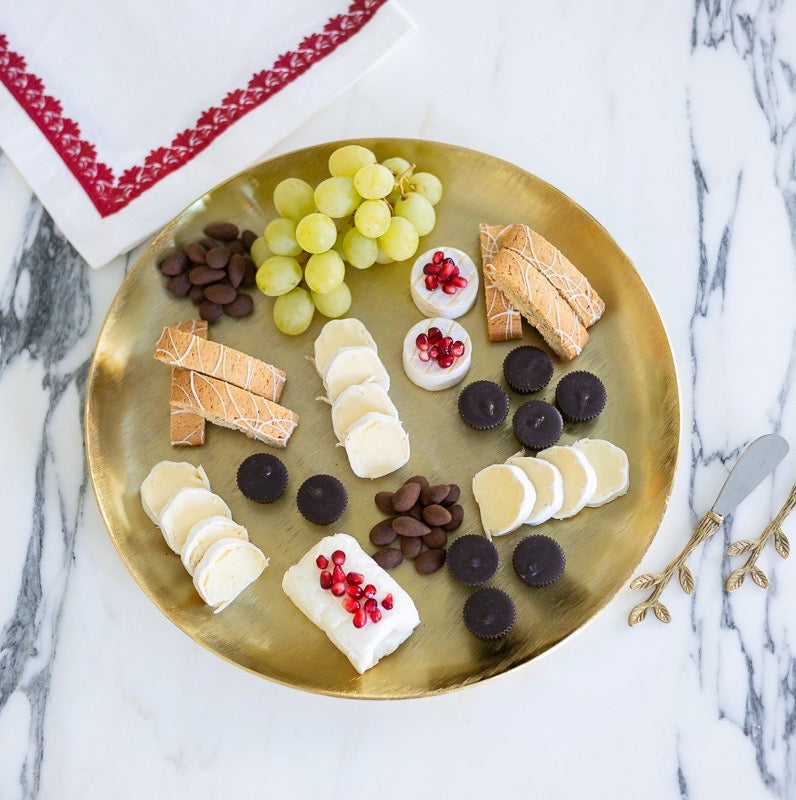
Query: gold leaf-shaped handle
(662, 613)
(739, 547)
(644, 581)
(735, 579)
(759, 577)
(637, 615)
(686, 578)
(781, 543)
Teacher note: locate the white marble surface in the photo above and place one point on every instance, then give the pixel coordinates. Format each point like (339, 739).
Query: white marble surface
(674, 124)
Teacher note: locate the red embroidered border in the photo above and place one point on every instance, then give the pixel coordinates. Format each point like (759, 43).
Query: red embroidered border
(109, 194)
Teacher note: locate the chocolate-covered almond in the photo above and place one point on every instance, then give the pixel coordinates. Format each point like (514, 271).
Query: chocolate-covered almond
(241, 306)
(457, 515)
(226, 231)
(217, 258)
(179, 285)
(436, 539)
(436, 515)
(453, 495)
(388, 557)
(221, 293)
(203, 275)
(175, 264)
(434, 494)
(411, 546)
(384, 502)
(406, 497)
(196, 253)
(236, 269)
(408, 526)
(422, 480)
(430, 561)
(383, 533)
(248, 238)
(210, 311)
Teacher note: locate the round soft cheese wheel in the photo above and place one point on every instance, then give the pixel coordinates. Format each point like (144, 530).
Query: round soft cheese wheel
(436, 302)
(505, 498)
(547, 482)
(356, 401)
(353, 365)
(428, 374)
(184, 510)
(226, 569)
(376, 445)
(580, 480)
(205, 533)
(611, 467)
(337, 334)
(165, 479)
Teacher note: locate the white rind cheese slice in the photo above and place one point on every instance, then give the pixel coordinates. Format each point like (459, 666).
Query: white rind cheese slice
(505, 498)
(376, 445)
(353, 365)
(547, 482)
(428, 374)
(580, 480)
(611, 466)
(184, 510)
(436, 303)
(356, 401)
(165, 479)
(365, 646)
(226, 569)
(205, 533)
(337, 334)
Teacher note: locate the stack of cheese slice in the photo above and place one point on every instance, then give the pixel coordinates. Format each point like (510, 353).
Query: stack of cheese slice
(197, 525)
(364, 419)
(555, 484)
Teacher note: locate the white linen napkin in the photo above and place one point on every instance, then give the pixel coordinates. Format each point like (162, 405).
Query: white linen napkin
(120, 114)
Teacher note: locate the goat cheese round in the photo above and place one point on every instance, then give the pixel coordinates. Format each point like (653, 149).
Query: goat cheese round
(429, 374)
(437, 302)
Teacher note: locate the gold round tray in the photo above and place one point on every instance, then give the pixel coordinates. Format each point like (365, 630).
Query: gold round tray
(127, 433)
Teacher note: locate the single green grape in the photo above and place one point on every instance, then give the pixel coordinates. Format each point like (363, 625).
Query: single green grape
(383, 258)
(359, 250)
(428, 185)
(316, 233)
(400, 240)
(418, 211)
(335, 303)
(396, 165)
(346, 160)
(336, 197)
(374, 182)
(372, 218)
(324, 272)
(259, 251)
(294, 198)
(277, 275)
(280, 236)
(293, 311)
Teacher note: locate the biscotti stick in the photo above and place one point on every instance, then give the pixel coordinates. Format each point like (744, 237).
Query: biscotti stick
(503, 321)
(219, 361)
(187, 429)
(232, 407)
(571, 284)
(539, 302)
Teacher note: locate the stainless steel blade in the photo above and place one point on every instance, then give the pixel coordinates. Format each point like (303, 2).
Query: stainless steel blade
(752, 467)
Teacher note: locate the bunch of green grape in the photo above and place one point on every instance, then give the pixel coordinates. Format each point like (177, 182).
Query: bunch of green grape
(365, 213)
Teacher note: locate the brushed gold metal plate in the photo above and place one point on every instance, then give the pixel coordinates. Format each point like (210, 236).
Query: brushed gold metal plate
(127, 432)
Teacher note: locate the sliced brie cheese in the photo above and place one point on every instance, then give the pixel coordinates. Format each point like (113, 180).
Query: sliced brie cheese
(580, 480)
(353, 365)
(429, 374)
(364, 646)
(165, 479)
(435, 302)
(226, 569)
(337, 334)
(376, 445)
(205, 533)
(547, 482)
(611, 467)
(356, 401)
(505, 498)
(184, 510)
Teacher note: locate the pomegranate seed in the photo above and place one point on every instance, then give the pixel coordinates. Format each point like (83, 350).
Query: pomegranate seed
(445, 272)
(449, 288)
(369, 590)
(375, 615)
(338, 557)
(434, 353)
(360, 618)
(421, 342)
(338, 588)
(449, 262)
(338, 574)
(423, 356)
(350, 605)
(455, 273)
(371, 604)
(446, 361)
(445, 341)
(438, 257)
(352, 590)
(443, 351)
(431, 269)
(431, 282)
(355, 577)
(326, 579)
(459, 281)
(434, 335)
(322, 562)
(457, 349)
(387, 602)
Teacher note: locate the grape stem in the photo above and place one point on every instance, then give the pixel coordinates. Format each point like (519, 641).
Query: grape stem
(402, 178)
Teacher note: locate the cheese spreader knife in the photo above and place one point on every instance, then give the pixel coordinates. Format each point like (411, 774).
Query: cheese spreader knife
(755, 464)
